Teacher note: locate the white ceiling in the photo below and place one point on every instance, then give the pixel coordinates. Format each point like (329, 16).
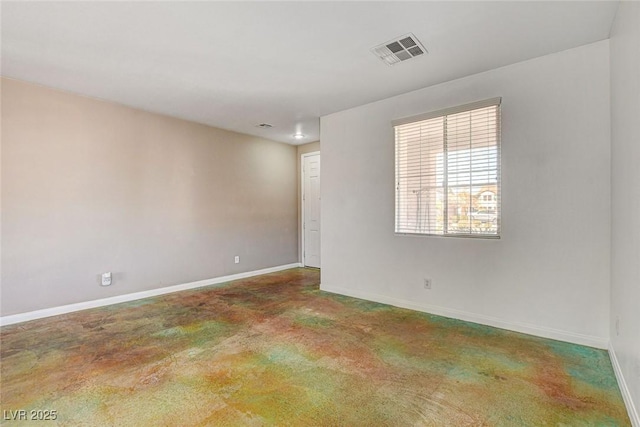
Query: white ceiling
(236, 64)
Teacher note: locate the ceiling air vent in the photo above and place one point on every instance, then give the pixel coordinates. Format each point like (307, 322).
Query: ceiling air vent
(399, 49)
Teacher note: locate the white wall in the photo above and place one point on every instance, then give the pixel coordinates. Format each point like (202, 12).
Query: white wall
(625, 195)
(549, 273)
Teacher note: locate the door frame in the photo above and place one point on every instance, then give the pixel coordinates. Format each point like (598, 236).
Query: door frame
(302, 199)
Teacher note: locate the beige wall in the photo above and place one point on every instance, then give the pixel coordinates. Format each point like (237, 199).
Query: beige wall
(302, 149)
(90, 186)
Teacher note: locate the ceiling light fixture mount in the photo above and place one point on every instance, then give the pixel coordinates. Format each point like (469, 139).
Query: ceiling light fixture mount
(298, 136)
(399, 49)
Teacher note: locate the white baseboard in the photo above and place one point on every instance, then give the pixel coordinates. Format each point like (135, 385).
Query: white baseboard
(626, 394)
(555, 334)
(54, 311)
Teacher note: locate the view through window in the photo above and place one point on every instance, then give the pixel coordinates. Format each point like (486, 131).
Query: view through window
(448, 172)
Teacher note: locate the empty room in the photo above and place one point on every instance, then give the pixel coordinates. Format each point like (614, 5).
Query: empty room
(320, 213)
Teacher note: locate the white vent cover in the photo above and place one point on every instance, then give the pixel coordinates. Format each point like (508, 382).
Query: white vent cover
(399, 49)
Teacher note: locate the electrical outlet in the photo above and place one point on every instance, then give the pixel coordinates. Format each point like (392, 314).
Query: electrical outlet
(106, 279)
(236, 259)
(427, 283)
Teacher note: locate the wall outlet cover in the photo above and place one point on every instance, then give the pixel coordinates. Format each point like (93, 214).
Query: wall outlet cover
(105, 279)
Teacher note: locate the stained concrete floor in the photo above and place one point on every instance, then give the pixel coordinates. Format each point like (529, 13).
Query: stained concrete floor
(274, 350)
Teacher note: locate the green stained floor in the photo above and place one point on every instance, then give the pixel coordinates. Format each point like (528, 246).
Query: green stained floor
(274, 350)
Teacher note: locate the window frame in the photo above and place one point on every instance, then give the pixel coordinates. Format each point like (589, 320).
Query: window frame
(443, 113)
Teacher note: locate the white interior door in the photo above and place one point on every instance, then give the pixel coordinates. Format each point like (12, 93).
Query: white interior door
(311, 210)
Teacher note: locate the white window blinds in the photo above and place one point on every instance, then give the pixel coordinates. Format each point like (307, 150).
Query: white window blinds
(448, 172)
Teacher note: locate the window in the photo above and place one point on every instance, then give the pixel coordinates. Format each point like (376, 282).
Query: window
(448, 172)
